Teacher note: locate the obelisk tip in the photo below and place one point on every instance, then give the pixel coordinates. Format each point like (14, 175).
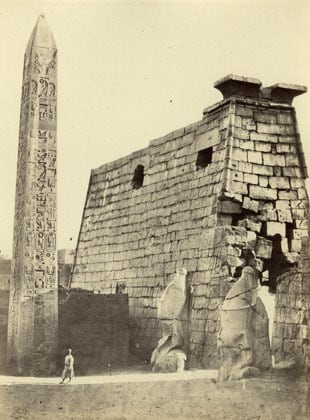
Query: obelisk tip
(42, 35)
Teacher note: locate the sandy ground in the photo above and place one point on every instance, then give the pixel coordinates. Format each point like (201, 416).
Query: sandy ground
(190, 395)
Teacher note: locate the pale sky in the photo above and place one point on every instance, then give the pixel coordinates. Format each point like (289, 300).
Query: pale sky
(132, 71)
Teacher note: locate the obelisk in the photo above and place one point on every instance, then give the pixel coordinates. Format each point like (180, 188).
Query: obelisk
(32, 327)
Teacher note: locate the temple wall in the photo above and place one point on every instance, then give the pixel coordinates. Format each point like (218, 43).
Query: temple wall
(220, 194)
(135, 239)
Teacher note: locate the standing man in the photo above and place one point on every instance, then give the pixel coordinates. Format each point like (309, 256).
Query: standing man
(68, 371)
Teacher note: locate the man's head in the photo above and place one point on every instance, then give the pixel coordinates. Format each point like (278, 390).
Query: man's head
(69, 351)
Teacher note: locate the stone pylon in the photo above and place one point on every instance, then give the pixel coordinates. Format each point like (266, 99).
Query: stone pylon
(32, 327)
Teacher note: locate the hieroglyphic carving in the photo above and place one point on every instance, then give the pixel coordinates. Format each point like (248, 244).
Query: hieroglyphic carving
(34, 251)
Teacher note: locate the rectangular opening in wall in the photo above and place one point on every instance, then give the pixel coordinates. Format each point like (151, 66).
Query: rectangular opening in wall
(204, 158)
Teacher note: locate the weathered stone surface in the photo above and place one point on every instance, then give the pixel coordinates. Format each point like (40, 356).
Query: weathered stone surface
(243, 340)
(32, 329)
(228, 206)
(263, 248)
(255, 157)
(261, 193)
(170, 353)
(249, 204)
(273, 160)
(250, 224)
(138, 238)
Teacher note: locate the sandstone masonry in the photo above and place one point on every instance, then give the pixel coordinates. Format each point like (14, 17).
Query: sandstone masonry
(222, 193)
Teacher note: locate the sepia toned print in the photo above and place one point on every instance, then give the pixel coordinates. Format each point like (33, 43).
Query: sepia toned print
(186, 293)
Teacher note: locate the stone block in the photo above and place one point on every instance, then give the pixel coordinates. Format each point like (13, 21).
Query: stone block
(291, 160)
(263, 137)
(244, 111)
(297, 182)
(268, 128)
(261, 193)
(245, 167)
(263, 247)
(295, 245)
(249, 204)
(302, 193)
(251, 239)
(299, 204)
(246, 144)
(302, 224)
(283, 204)
(277, 171)
(285, 216)
(265, 117)
(287, 195)
(273, 228)
(248, 124)
(251, 178)
(279, 182)
(263, 181)
(285, 118)
(262, 170)
(262, 147)
(287, 139)
(239, 154)
(240, 187)
(273, 160)
(237, 176)
(300, 233)
(250, 225)
(207, 139)
(255, 157)
(283, 148)
(224, 123)
(230, 207)
(275, 129)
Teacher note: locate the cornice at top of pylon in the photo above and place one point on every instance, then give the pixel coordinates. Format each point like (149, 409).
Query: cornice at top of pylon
(41, 35)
